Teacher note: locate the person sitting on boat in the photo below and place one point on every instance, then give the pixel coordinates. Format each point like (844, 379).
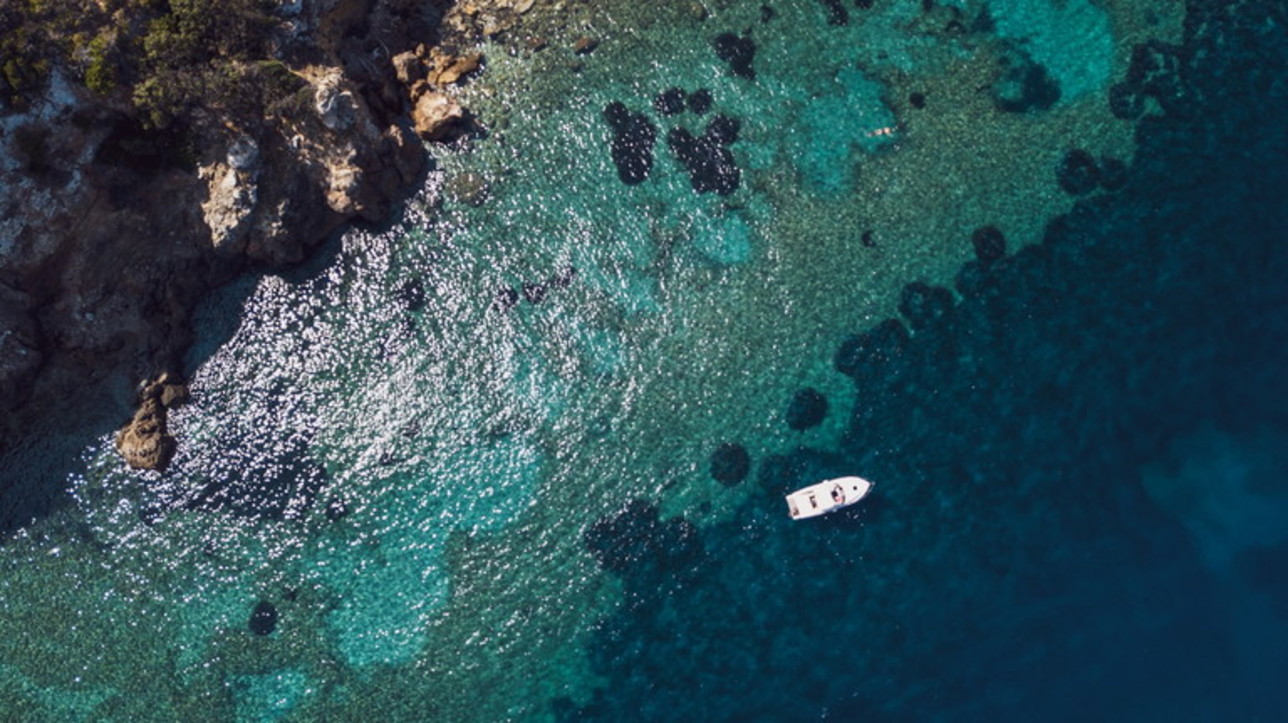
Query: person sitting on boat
(838, 495)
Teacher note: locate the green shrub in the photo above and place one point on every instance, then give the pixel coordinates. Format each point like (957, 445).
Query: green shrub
(101, 75)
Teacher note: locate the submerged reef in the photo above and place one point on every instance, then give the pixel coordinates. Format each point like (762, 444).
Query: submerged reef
(707, 158)
(636, 540)
(738, 52)
(1006, 434)
(730, 464)
(632, 146)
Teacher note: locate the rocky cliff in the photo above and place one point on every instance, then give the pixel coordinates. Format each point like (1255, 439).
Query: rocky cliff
(115, 219)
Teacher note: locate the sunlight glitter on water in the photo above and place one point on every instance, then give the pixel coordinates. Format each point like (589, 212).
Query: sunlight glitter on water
(392, 460)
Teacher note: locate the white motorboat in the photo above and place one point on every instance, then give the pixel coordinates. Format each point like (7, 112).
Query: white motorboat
(826, 496)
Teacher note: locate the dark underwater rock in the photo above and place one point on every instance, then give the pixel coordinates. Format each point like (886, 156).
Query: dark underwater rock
(989, 243)
(261, 473)
(263, 619)
(534, 293)
(738, 52)
(730, 464)
(1126, 101)
(336, 509)
(917, 100)
(700, 101)
(412, 295)
(637, 538)
(669, 101)
(1078, 173)
(807, 409)
(723, 130)
(924, 305)
(1024, 85)
(710, 164)
(632, 145)
(782, 473)
(562, 278)
(1113, 174)
(971, 277)
(836, 13)
(882, 344)
(505, 299)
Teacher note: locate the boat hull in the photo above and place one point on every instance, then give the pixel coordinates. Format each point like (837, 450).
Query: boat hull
(826, 496)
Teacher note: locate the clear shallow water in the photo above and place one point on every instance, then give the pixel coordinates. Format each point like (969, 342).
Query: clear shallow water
(1079, 489)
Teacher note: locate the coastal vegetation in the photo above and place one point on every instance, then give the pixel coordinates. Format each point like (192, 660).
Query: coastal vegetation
(165, 58)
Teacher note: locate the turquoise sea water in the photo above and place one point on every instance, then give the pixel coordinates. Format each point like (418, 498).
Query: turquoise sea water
(461, 467)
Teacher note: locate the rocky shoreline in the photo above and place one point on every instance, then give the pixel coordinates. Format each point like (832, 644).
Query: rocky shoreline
(112, 230)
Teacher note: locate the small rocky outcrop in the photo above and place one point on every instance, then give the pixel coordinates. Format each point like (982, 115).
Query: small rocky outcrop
(437, 116)
(145, 443)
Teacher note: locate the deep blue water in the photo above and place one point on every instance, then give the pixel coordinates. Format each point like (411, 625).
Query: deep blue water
(1019, 570)
(436, 474)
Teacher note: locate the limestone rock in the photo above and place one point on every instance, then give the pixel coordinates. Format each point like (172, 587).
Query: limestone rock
(438, 116)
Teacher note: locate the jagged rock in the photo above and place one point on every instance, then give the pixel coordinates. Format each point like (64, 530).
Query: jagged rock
(173, 394)
(145, 443)
(335, 104)
(407, 67)
(228, 209)
(406, 153)
(449, 69)
(344, 184)
(117, 229)
(243, 153)
(438, 116)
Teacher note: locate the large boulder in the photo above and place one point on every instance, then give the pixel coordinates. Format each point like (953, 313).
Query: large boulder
(437, 116)
(145, 443)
